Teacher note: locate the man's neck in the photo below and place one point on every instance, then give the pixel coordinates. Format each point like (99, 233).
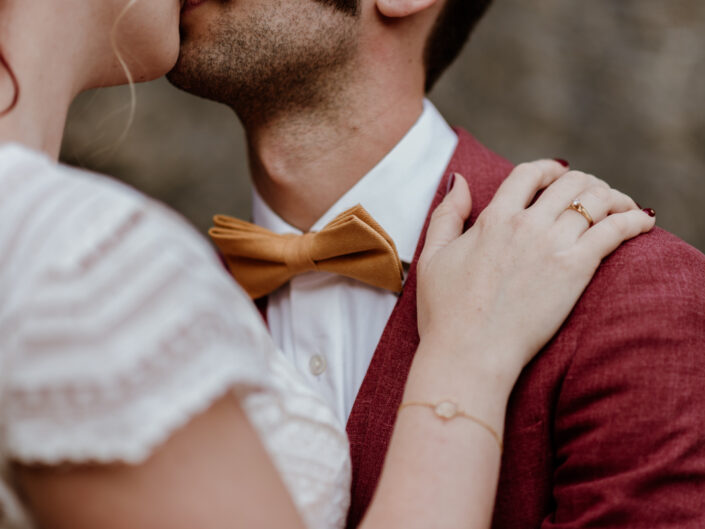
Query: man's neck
(303, 163)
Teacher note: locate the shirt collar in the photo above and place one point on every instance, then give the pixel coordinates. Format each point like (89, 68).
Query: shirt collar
(397, 192)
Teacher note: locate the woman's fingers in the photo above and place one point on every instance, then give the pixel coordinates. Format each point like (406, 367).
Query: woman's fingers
(554, 200)
(514, 257)
(448, 219)
(597, 202)
(520, 188)
(606, 236)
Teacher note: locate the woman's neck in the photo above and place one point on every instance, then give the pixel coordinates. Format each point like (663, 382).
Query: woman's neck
(39, 118)
(39, 52)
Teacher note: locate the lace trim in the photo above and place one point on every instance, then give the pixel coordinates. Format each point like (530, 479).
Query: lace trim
(307, 443)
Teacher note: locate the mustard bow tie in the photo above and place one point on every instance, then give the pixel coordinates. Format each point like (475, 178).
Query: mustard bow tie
(352, 245)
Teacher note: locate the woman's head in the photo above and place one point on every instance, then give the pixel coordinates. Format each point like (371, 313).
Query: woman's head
(95, 39)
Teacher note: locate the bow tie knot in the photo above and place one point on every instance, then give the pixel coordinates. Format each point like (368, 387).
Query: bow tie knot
(352, 245)
(297, 253)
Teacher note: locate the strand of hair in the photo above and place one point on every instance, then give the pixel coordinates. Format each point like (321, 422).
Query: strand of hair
(15, 85)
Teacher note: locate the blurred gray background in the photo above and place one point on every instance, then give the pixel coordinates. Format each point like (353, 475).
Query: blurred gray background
(617, 87)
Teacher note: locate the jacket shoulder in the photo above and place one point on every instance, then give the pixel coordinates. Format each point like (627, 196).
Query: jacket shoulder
(656, 269)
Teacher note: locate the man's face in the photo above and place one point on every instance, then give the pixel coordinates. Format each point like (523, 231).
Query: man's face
(262, 56)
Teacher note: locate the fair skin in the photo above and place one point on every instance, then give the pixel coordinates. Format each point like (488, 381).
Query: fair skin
(83, 60)
(214, 472)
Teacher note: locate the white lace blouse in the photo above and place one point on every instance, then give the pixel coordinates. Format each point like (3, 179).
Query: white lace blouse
(118, 325)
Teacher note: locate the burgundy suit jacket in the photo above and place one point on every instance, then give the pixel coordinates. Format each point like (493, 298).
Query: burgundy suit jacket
(606, 427)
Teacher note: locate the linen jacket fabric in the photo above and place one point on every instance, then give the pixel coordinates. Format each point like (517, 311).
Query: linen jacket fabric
(606, 427)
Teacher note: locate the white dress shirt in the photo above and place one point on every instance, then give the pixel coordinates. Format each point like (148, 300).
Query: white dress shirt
(329, 325)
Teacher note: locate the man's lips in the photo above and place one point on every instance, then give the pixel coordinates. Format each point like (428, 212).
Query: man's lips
(191, 4)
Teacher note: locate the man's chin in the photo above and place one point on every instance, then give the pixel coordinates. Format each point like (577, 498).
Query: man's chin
(189, 76)
(179, 74)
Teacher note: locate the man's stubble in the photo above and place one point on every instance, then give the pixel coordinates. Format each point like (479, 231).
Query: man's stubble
(278, 57)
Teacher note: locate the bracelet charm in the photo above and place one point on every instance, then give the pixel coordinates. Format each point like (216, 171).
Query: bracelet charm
(447, 410)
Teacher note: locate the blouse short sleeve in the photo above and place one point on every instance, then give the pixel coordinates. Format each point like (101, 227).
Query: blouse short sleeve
(122, 323)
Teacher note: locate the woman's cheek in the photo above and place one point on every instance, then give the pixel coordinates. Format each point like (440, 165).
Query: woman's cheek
(156, 40)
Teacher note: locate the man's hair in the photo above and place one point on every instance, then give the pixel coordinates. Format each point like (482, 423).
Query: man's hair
(350, 7)
(449, 34)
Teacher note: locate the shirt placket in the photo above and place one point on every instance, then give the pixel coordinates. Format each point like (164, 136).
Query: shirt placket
(311, 324)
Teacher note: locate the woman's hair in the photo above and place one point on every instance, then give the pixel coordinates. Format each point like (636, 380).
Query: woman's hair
(126, 69)
(15, 85)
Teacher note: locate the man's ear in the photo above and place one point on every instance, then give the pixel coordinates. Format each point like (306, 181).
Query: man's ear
(403, 8)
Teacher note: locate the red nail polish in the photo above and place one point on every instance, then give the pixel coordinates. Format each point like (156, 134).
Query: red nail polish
(650, 212)
(451, 181)
(563, 162)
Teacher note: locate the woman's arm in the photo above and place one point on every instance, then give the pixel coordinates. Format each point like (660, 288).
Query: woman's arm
(214, 473)
(488, 301)
(442, 474)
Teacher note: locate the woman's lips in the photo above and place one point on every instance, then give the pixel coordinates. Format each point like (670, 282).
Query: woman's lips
(189, 5)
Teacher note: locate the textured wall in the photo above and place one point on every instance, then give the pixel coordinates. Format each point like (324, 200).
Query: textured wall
(615, 86)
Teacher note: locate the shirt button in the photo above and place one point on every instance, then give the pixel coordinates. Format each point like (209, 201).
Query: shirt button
(317, 365)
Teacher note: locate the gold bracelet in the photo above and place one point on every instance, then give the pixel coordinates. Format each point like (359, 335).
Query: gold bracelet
(448, 410)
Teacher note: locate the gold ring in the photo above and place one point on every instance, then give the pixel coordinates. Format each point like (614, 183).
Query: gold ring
(576, 205)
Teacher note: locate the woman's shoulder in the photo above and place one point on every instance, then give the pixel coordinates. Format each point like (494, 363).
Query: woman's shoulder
(48, 209)
(40, 192)
(29, 174)
(59, 220)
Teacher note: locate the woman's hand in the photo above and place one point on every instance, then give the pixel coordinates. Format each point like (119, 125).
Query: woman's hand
(504, 288)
